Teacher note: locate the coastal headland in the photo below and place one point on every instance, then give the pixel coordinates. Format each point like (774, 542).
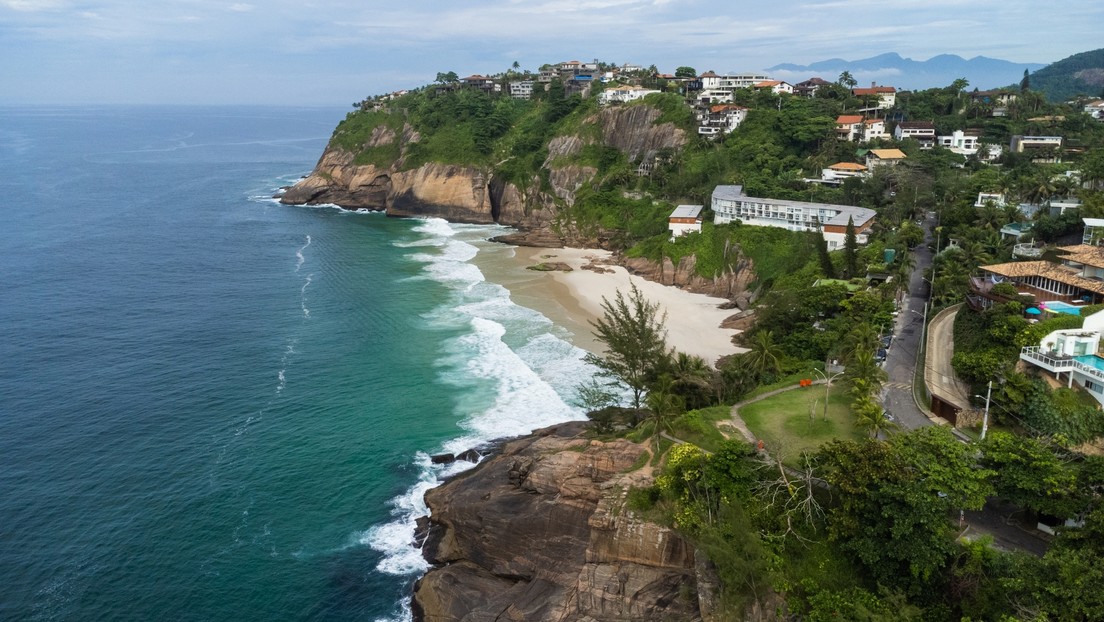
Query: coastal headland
(541, 531)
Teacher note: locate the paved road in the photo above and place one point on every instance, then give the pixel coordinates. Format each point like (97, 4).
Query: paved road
(900, 365)
(938, 372)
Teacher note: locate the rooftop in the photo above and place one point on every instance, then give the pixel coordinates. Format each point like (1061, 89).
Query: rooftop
(888, 154)
(859, 215)
(1062, 274)
(687, 211)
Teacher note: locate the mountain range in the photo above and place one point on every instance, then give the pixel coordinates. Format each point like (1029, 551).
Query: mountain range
(905, 73)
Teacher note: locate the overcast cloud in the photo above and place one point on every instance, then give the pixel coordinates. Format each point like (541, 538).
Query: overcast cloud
(336, 52)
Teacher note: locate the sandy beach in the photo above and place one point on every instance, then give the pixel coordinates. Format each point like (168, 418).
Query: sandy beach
(572, 299)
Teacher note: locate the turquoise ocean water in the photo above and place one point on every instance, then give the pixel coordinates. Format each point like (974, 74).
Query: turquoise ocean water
(216, 407)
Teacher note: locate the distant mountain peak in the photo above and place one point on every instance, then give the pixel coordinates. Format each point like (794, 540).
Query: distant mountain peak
(905, 73)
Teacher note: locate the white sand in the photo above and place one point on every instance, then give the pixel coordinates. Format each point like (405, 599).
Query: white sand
(693, 320)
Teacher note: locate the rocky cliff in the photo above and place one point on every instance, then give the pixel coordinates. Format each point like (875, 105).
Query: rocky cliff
(542, 532)
(472, 194)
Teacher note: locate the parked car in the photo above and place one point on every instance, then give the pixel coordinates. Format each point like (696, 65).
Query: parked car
(886, 340)
(880, 355)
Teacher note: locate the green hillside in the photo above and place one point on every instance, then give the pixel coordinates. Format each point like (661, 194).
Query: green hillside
(1080, 74)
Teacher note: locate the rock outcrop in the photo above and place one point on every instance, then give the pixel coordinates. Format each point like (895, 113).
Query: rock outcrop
(542, 532)
(732, 284)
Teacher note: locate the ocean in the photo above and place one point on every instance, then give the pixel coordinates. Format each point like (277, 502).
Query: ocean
(217, 407)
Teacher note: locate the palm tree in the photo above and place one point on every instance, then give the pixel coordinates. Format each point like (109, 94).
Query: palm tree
(870, 416)
(864, 374)
(692, 379)
(765, 357)
(973, 254)
(989, 216)
(862, 338)
(663, 407)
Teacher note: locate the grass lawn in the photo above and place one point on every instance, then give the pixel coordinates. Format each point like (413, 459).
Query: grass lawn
(783, 421)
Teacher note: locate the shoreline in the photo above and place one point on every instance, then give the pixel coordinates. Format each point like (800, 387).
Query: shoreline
(573, 299)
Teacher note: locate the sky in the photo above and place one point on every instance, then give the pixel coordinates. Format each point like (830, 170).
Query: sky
(336, 52)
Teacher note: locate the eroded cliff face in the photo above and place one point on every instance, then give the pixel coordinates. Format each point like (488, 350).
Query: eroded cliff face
(542, 532)
(732, 284)
(471, 194)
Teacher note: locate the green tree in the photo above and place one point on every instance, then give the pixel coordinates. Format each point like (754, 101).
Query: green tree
(846, 79)
(631, 328)
(884, 516)
(1029, 474)
(850, 249)
(447, 77)
(764, 357)
(1025, 83)
(825, 259)
(685, 72)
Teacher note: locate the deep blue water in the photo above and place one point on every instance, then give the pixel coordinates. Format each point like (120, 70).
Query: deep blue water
(216, 407)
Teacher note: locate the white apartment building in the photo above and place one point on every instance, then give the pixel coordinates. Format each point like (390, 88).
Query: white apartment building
(730, 204)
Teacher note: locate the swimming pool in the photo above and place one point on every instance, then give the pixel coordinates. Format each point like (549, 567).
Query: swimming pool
(1091, 360)
(1058, 306)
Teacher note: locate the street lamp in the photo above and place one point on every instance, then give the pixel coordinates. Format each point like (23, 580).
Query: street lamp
(985, 418)
(827, 385)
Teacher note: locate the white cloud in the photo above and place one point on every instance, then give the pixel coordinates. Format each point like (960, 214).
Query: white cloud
(32, 5)
(241, 7)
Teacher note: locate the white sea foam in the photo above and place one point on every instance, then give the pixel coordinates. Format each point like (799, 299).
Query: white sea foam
(303, 296)
(299, 258)
(513, 371)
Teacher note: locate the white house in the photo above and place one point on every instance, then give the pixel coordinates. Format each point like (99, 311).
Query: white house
(721, 119)
(921, 131)
(835, 174)
(1074, 353)
(776, 86)
(996, 198)
(854, 127)
(730, 204)
(960, 142)
(884, 157)
(1095, 109)
(623, 94)
(685, 219)
(718, 89)
(884, 97)
(521, 89)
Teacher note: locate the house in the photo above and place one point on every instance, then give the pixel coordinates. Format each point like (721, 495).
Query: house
(1078, 277)
(730, 204)
(884, 157)
(960, 142)
(718, 89)
(1093, 234)
(1073, 352)
(776, 86)
(721, 119)
(1095, 109)
(854, 127)
(809, 87)
(579, 84)
(1045, 148)
(623, 94)
(849, 127)
(521, 89)
(838, 172)
(985, 198)
(483, 83)
(685, 219)
(997, 100)
(882, 97)
(921, 131)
